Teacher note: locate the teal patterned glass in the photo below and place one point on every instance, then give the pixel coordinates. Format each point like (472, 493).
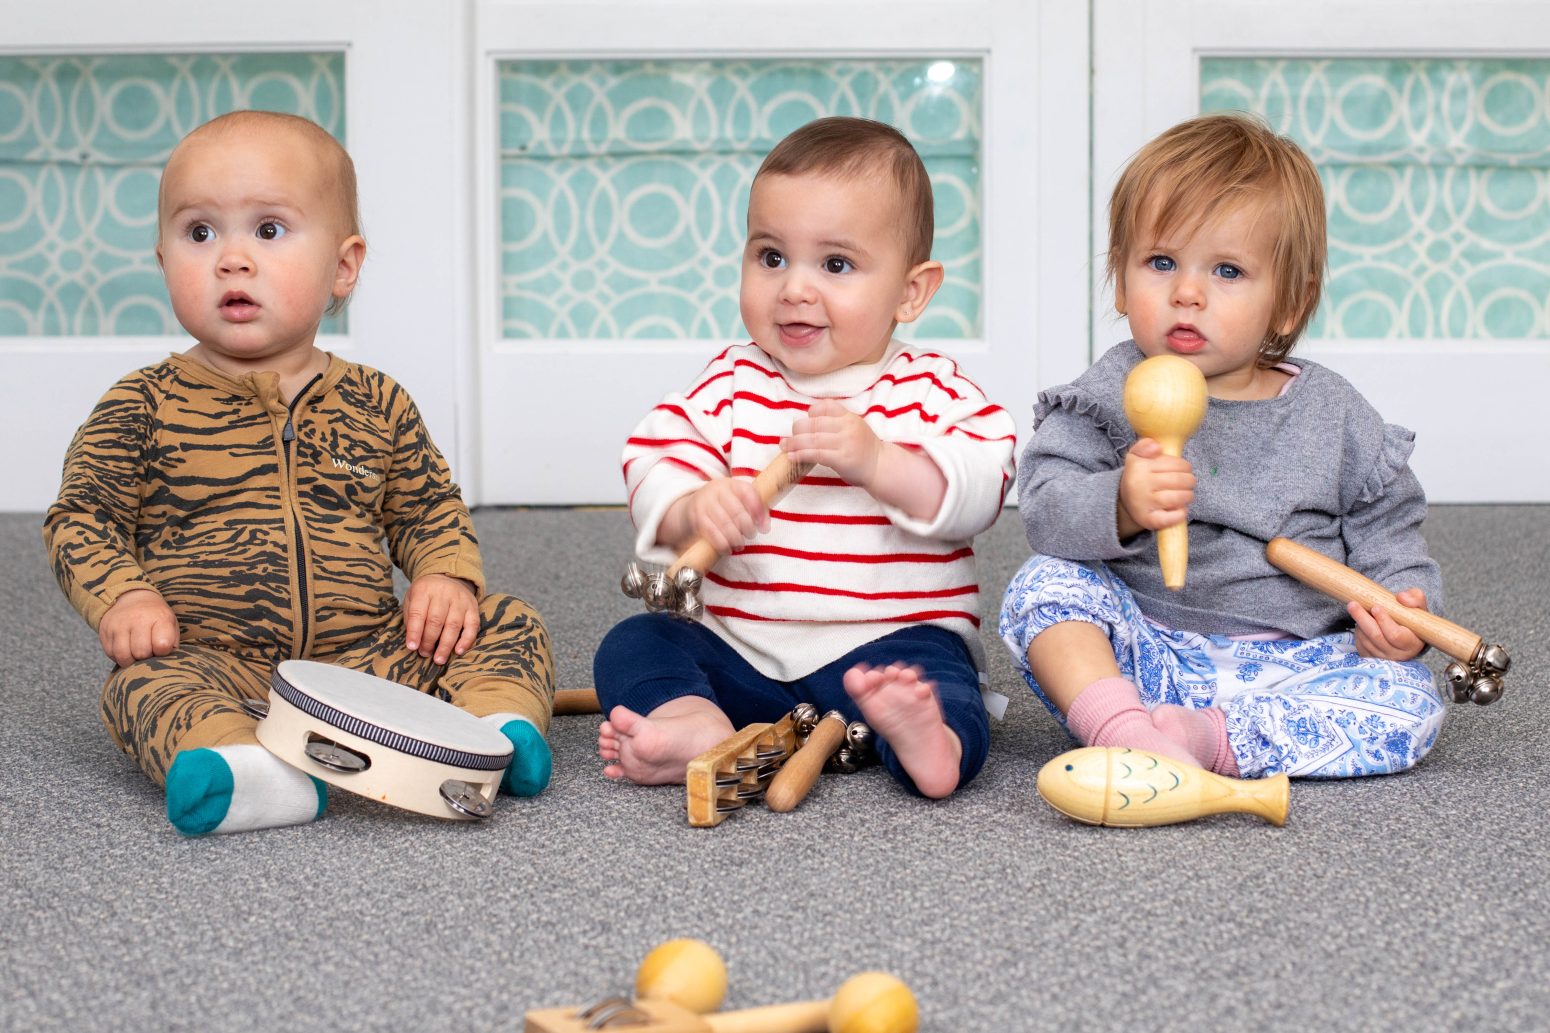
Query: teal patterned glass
(1437, 179)
(624, 184)
(82, 143)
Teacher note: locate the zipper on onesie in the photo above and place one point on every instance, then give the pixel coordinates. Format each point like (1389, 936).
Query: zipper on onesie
(288, 437)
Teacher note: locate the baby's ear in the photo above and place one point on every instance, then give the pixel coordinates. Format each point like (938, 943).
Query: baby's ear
(920, 286)
(352, 253)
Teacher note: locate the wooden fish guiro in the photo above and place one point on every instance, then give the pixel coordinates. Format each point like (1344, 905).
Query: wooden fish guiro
(1124, 788)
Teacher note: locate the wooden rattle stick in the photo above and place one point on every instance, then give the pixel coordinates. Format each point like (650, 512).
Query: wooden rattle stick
(1476, 673)
(771, 483)
(796, 777)
(1125, 788)
(1339, 581)
(1165, 399)
(871, 1002)
(576, 701)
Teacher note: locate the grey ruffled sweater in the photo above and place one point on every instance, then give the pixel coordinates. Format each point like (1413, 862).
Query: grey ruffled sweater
(1317, 465)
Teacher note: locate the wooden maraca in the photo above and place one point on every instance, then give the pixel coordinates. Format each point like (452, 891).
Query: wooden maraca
(871, 1002)
(1475, 674)
(1165, 400)
(1125, 788)
(677, 589)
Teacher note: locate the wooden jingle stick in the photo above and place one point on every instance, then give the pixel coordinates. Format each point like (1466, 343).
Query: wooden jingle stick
(1165, 400)
(1479, 680)
(1125, 788)
(779, 477)
(871, 1002)
(576, 701)
(796, 777)
(1339, 581)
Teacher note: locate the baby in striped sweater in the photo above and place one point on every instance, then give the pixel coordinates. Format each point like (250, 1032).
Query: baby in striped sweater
(857, 591)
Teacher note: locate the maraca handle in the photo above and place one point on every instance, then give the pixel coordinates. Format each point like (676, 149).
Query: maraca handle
(771, 483)
(1339, 581)
(800, 1017)
(796, 777)
(1173, 554)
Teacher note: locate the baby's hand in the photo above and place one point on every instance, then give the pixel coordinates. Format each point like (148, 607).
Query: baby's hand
(834, 436)
(441, 616)
(138, 626)
(726, 512)
(1379, 636)
(1155, 490)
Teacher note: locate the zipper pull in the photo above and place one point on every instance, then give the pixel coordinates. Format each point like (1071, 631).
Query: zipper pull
(289, 433)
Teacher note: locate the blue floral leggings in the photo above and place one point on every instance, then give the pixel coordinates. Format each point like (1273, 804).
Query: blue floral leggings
(1313, 709)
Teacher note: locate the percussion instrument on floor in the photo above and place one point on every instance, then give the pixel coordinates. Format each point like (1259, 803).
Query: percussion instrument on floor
(1165, 400)
(1125, 788)
(677, 589)
(871, 1002)
(1475, 674)
(795, 779)
(383, 740)
(575, 701)
(745, 767)
(731, 774)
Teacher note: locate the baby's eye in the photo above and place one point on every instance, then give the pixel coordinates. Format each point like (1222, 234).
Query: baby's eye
(1161, 263)
(199, 233)
(837, 265)
(270, 231)
(771, 259)
(1228, 271)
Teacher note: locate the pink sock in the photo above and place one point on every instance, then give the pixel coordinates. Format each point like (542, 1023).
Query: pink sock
(1109, 713)
(1204, 731)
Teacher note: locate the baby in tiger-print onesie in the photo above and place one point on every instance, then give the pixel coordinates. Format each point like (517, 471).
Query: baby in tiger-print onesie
(226, 508)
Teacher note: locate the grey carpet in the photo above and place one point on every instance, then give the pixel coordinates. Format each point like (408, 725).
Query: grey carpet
(1415, 902)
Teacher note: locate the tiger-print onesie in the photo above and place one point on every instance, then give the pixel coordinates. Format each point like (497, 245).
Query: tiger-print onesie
(262, 524)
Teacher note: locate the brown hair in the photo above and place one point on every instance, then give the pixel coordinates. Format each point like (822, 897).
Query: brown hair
(846, 146)
(1194, 171)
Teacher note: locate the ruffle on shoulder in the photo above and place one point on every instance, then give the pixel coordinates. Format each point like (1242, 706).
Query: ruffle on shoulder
(1393, 456)
(1081, 403)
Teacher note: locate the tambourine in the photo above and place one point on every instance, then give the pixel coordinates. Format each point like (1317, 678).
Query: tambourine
(383, 740)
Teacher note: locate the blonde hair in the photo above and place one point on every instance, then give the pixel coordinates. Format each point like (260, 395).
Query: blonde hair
(334, 155)
(846, 146)
(1195, 171)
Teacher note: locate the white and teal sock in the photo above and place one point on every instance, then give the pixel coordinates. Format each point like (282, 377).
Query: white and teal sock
(238, 789)
(531, 762)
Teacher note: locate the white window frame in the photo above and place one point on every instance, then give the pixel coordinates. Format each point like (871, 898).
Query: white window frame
(1034, 171)
(1141, 43)
(413, 193)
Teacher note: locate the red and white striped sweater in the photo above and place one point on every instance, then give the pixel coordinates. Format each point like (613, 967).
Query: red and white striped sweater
(837, 568)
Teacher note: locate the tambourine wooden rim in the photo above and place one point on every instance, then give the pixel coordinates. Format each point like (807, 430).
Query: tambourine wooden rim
(414, 746)
(384, 741)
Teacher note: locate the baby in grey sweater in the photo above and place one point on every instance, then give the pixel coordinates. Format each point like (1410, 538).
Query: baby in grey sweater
(1217, 254)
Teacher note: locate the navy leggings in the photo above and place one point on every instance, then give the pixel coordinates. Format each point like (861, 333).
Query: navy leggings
(651, 658)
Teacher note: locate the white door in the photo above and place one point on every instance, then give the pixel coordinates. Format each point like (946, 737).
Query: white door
(400, 74)
(1431, 125)
(563, 376)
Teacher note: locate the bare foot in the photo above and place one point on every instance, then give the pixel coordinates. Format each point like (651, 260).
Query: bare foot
(903, 710)
(656, 749)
